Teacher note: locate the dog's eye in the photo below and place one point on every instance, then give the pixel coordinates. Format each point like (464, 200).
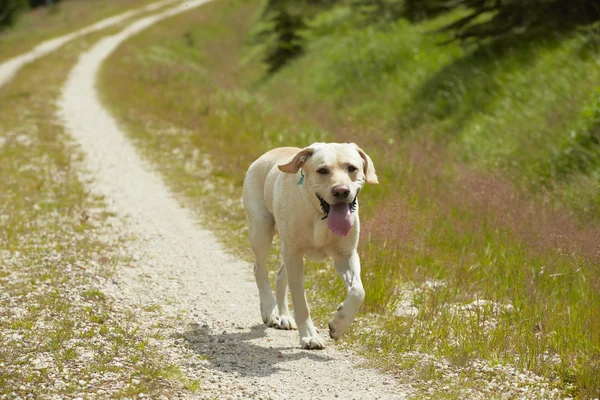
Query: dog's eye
(352, 169)
(323, 171)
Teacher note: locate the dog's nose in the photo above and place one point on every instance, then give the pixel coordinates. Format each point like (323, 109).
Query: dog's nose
(340, 192)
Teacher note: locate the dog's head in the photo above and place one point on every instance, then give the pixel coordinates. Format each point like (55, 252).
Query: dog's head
(335, 173)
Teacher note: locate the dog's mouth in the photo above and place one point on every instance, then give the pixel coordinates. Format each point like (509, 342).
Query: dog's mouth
(326, 207)
(339, 218)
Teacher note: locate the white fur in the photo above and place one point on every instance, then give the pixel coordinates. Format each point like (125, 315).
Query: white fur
(272, 197)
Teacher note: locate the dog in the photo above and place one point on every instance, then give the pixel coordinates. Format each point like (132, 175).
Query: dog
(310, 196)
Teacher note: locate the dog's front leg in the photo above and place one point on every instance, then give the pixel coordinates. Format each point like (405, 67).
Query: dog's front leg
(349, 270)
(294, 263)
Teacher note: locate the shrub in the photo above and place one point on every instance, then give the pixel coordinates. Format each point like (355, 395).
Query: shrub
(281, 27)
(9, 10)
(37, 3)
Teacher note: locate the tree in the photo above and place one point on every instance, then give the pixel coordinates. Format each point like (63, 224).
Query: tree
(282, 23)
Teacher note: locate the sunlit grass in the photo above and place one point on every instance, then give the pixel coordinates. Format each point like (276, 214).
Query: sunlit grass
(60, 334)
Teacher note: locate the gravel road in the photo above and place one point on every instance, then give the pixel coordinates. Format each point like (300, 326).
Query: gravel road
(181, 265)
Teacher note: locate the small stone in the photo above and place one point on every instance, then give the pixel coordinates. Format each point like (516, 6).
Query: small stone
(221, 340)
(135, 381)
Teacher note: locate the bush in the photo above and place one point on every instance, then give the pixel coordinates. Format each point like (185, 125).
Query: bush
(281, 27)
(9, 10)
(281, 36)
(37, 3)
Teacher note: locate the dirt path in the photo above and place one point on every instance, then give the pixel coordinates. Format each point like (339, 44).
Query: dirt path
(10, 67)
(178, 259)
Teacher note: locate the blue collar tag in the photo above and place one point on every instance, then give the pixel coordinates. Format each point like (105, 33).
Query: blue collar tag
(301, 181)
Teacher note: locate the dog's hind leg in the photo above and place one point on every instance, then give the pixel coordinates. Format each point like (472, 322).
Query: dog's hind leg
(294, 264)
(262, 229)
(285, 319)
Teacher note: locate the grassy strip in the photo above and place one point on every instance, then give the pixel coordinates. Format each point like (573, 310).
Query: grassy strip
(461, 286)
(60, 334)
(67, 16)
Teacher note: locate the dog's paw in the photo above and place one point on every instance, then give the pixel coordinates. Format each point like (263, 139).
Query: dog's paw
(270, 314)
(312, 342)
(338, 325)
(286, 322)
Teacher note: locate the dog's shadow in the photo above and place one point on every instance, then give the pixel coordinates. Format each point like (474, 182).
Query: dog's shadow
(234, 352)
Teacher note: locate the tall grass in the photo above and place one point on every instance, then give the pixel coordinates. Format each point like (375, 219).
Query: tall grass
(509, 106)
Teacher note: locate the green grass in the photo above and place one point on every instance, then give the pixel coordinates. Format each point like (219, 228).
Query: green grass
(525, 109)
(44, 23)
(459, 216)
(60, 334)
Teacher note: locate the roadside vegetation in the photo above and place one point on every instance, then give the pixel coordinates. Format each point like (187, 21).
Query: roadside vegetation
(480, 245)
(61, 334)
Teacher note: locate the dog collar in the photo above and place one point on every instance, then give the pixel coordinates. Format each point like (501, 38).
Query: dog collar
(301, 180)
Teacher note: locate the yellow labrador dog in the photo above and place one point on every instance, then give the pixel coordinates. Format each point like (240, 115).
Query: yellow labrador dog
(311, 195)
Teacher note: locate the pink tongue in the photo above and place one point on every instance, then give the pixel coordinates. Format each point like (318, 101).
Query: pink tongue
(339, 219)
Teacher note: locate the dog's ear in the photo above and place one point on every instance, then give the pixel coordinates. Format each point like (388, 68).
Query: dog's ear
(299, 159)
(368, 166)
